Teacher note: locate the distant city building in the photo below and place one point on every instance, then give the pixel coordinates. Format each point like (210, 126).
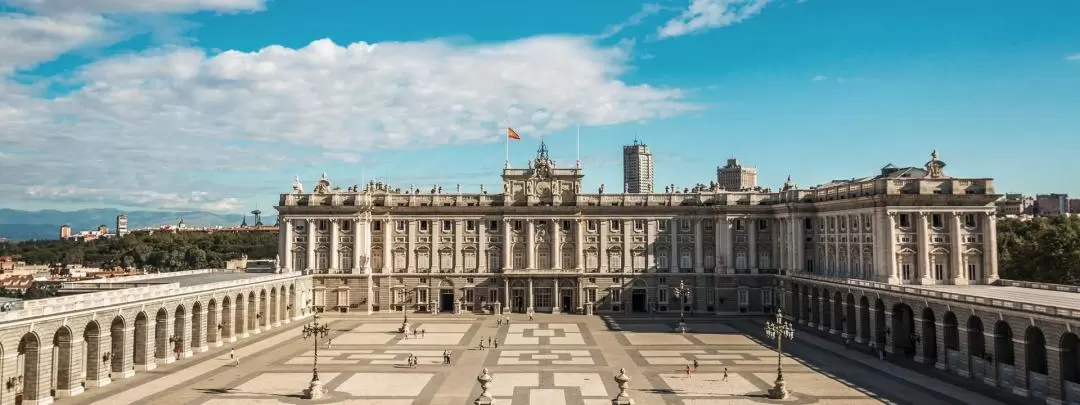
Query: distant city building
(121, 225)
(1015, 204)
(637, 169)
(735, 177)
(65, 231)
(1051, 204)
(103, 229)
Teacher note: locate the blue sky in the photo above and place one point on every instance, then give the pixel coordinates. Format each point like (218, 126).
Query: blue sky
(217, 104)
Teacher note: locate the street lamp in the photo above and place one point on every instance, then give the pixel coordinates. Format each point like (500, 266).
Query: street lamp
(779, 330)
(682, 292)
(315, 330)
(405, 294)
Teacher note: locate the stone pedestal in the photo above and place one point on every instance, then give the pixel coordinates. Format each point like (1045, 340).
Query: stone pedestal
(485, 380)
(315, 390)
(589, 308)
(623, 382)
(498, 308)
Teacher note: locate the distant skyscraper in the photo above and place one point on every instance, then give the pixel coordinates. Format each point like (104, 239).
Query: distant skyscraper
(735, 177)
(121, 225)
(637, 168)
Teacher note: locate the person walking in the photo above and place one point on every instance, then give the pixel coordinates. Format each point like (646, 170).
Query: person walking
(423, 332)
(687, 371)
(725, 375)
(695, 364)
(489, 340)
(232, 356)
(498, 322)
(496, 343)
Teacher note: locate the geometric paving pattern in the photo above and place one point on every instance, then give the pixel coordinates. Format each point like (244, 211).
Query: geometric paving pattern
(550, 357)
(551, 334)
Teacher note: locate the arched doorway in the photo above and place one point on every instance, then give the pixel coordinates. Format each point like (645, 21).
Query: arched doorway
(239, 329)
(161, 336)
(953, 357)
(291, 306)
(143, 361)
(902, 330)
(1070, 367)
(977, 347)
(850, 313)
(1035, 360)
(116, 355)
(929, 336)
(225, 324)
(197, 342)
(274, 312)
(65, 378)
(639, 297)
(446, 296)
(864, 315)
(179, 338)
(263, 314)
(1004, 354)
(30, 359)
(253, 305)
(93, 361)
(213, 323)
(813, 316)
(879, 322)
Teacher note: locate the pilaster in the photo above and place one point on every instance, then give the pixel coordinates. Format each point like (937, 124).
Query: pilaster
(482, 242)
(411, 231)
(699, 265)
(508, 251)
(673, 227)
(459, 231)
(990, 250)
(751, 245)
(335, 244)
(286, 248)
(923, 229)
(579, 244)
(718, 248)
(310, 262)
(37, 379)
(956, 256)
(361, 247)
(530, 245)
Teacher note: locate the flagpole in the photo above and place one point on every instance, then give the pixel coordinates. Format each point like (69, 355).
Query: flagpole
(506, 139)
(578, 142)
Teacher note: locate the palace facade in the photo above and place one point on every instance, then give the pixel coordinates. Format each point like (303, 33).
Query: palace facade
(544, 244)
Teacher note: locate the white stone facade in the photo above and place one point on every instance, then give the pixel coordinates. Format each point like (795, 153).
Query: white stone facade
(545, 245)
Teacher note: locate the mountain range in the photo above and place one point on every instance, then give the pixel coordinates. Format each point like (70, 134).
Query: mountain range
(45, 224)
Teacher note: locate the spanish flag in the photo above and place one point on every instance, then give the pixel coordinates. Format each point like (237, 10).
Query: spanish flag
(510, 133)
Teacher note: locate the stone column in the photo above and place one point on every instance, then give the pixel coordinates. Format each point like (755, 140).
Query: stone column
(923, 229)
(718, 248)
(602, 255)
(163, 329)
(956, 259)
(1020, 374)
(530, 244)
(310, 245)
(530, 296)
(699, 261)
(334, 246)
(286, 262)
(435, 257)
(990, 250)
(70, 357)
(388, 246)
(147, 362)
(411, 230)
(198, 342)
(361, 246)
(892, 268)
(482, 252)
(674, 228)
(127, 369)
(185, 335)
(508, 250)
(627, 239)
(556, 297)
(856, 334)
(751, 244)
(459, 230)
(799, 245)
(228, 330)
(556, 242)
(579, 244)
(506, 295)
(728, 243)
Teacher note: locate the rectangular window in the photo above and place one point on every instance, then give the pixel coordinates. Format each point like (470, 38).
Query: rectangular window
(324, 225)
(616, 294)
(661, 293)
(615, 225)
(905, 270)
(972, 271)
(808, 223)
(970, 220)
(744, 298)
(470, 226)
(767, 297)
(493, 226)
(591, 225)
(567, 226)
(684, 225)
(739, 225)
(376, 226)
(447, 226)
(937, 221)
(590, 295)
(493, 295)
(468, 295)
(346, 226)
(639, 225)
(662, 225)
(399, 225)
(762, 224)
(424, 226)
(939, 271)
(518, 225)
(905, 220)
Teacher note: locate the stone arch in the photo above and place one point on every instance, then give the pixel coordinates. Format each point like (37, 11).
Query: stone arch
(839, 318)
(30, 351)
(951, 335)
(92, 360)
(864, 317)
(444, 283)
(161, 335)
(142, 339)
(1070, 362)
(929, 335)
(850, 314)
(274, 313)
(239, 325)
(1004, 352)
(976, 336)
(252, 316)
(225, 324)
(66, 378)
(902, 329)
(116, 336)
(179, 338)
(1035, 350)
(291, 306)
(213, 322)
(197, 329)
(262, 316)
(879, 319)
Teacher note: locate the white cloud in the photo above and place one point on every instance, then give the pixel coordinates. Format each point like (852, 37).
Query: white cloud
(139, 128)
(819, 78)
(708, 14)
(1073, 57)
(137, 6)
(637, 18)
(28, 40)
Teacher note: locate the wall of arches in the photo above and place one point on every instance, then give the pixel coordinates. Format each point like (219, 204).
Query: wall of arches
(64, 356)
(1023, 354)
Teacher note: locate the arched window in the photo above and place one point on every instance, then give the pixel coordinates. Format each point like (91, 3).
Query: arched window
(568, 261)
(686, 259)
(494, 259)
(615, 259)
(740, 260)
(662, 258)
(423, 259)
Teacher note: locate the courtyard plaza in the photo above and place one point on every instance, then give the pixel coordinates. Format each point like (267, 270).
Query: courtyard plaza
(549, 360)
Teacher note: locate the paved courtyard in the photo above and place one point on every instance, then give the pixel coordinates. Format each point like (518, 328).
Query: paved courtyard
(552, 360)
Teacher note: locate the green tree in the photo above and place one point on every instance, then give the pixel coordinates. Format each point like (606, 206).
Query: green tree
(1041, 249)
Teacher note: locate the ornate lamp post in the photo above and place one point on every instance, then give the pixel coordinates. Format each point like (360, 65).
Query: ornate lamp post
(315, 330)
(682, 293)
(405, 310)
(779, 330)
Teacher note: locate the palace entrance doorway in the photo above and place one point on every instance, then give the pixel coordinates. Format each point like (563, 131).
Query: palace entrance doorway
(639, 300)
(446, 300)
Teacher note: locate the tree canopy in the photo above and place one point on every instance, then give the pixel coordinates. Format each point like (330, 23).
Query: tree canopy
(1041, 249)
(162, 251)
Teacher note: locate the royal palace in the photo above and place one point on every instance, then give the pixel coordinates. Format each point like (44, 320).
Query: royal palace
(544, 244)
